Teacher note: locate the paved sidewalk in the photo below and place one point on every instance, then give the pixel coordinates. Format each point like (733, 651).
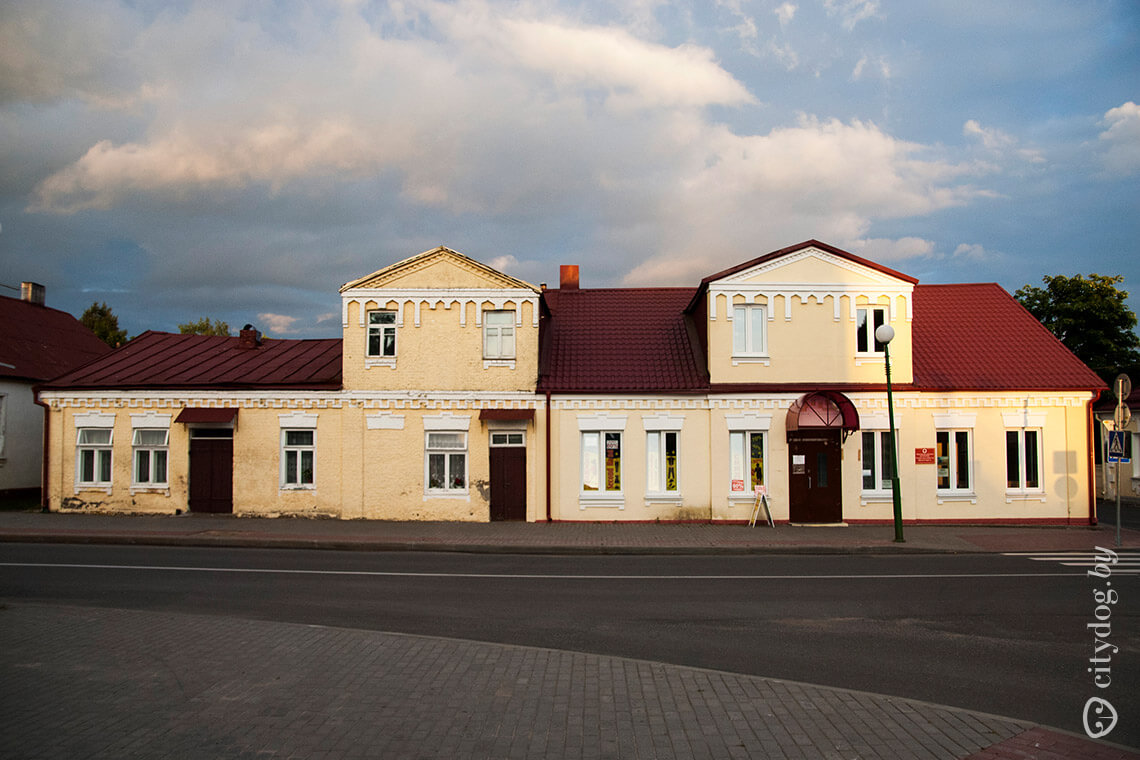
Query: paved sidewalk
(104, 683)
(561, 538)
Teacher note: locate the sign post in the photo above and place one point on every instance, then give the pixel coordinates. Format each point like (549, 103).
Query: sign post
(1122, 387)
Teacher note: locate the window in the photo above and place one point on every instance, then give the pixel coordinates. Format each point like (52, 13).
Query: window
(601, 462)
(877, 460)
(868, 319)
(150, 449)
(382, 333)
(498, 335)
(93, 458)
(746, 460)
(3, 405)
(952, 453)
(447, 462)
(661, 449)
(298, 448)
(749, 328)
(508, 439)
(1023, 460)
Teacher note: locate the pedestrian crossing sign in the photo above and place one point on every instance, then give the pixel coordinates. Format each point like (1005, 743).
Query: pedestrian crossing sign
(1116, 447)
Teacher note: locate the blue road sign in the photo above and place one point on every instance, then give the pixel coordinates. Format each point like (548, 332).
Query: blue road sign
(1116, 447)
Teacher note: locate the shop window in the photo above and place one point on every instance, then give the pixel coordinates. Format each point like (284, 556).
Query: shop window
(662, 461)
(601, 462)
(746, 460)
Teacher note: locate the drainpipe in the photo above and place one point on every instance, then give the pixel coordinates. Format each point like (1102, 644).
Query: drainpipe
(1092, 462)
(47, 448)
(548, 512)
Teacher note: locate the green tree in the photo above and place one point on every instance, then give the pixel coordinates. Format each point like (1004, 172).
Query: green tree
(1090, 316)
(100, 320)
(205, 327)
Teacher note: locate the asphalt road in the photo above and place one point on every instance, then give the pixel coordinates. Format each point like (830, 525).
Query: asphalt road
(1007, 635)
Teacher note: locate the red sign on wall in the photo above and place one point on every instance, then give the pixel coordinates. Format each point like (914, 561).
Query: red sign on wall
(924, 456)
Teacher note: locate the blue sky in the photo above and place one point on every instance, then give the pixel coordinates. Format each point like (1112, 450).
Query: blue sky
(243, 160)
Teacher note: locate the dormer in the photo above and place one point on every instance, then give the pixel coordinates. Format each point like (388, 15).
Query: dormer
(804, 314)
(441, 321)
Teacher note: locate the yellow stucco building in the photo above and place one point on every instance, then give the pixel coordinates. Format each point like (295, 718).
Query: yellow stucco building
(457, 392)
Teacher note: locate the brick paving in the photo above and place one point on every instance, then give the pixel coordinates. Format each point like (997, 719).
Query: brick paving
(641, 538)
(104, 683)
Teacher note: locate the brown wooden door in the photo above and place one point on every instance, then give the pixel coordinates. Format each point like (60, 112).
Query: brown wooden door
(815, 489)
(211, 474)
(508, 483)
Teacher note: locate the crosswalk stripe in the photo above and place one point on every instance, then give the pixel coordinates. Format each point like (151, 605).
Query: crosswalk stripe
(1127, 562)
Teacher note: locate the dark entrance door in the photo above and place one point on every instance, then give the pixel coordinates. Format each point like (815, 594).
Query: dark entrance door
(815, 491)
(508, 478)
(211, 471)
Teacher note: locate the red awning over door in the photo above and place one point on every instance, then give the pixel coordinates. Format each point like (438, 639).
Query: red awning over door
(204, 415)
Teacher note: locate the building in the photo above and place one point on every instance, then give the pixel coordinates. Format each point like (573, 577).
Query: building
(460, 393)
(36, 344)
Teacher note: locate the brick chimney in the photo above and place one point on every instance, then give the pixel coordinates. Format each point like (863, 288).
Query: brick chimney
(32, 292)
(568, 276)
(249, 337)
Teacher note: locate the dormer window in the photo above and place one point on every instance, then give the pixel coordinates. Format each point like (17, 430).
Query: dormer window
(867, 320)
(381, 334)
(749, 330)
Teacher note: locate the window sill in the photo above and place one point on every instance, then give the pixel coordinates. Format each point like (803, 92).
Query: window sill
(876, 497)
(163, 489)
(663, 499)
(610, 500)
(376, 361)
(81, 487)
(298, 488)
(744, 497)
(508, 363)
(1012, 496)
(945, 496)
(869, 359)
(764, 359)
(457, 493)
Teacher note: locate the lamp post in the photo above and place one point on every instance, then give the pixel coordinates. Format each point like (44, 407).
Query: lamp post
(885, 334)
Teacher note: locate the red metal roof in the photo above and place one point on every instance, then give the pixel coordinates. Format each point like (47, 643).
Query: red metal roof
(620, 340)
(38, 343)
(978, 337)
(167, 360)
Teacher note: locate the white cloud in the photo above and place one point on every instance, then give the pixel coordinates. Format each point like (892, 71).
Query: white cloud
(785, 12)
(740, 195)
(972, 252)
(999, 142)
(503, 263)
(278, 324)
(851, 12)
(868, 67)
(1122, 139)
(885, 250)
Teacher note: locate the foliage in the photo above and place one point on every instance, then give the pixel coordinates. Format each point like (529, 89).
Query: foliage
(205, 327)
(100, 320)
(1090, 317)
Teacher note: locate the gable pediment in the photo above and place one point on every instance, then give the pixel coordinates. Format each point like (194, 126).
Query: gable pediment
(810, 267)
(438, 269)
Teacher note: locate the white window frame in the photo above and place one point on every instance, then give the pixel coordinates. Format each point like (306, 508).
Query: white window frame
(150, 451)
(745, 317)
(1022, 487)
(498, 325)
(447, 452)
(866, 330)
(656, 463)
(879, 470)
(601, 496)
(99, 452)
(503, 439)
(742, 467)
(952, 464)
(381, 330)
(299, 450)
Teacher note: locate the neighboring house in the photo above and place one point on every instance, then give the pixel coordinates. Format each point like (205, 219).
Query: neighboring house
(1105, 410)
(460, 393)
(36, 344)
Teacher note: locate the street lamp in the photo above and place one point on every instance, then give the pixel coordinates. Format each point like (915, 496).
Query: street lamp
(885, 334)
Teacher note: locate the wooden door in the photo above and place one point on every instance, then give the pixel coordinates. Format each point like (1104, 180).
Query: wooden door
(211, 473)
(508, 482)
(815, 489)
